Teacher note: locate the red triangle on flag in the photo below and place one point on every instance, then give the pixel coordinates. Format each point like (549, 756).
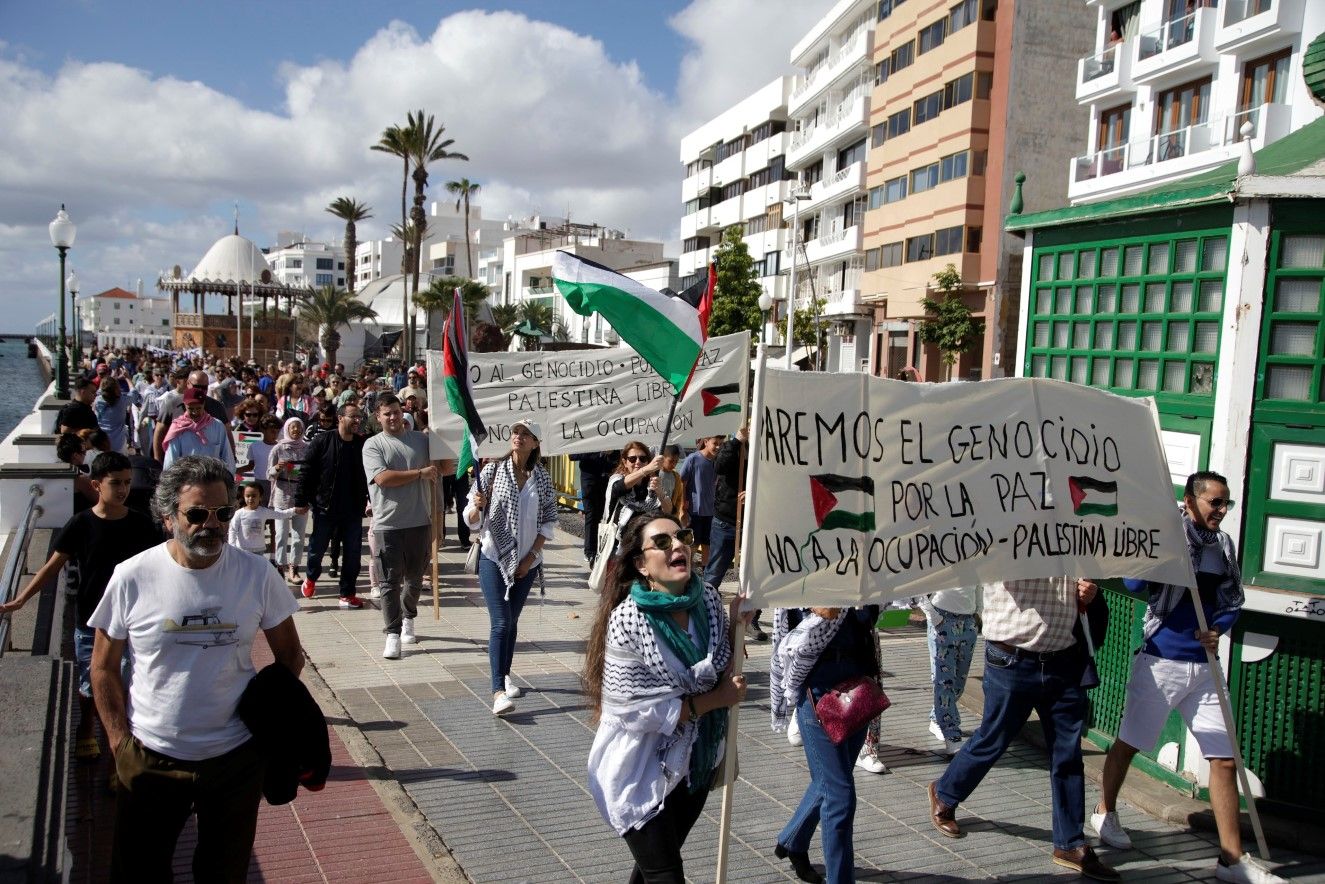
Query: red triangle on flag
(823, 499)
(1074, 489)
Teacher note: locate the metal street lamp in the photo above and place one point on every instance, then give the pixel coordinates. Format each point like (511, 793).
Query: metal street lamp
(62, 232)
(76, 352)
(798, 195)
(765, 305)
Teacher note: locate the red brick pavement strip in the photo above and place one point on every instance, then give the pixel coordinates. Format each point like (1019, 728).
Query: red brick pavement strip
(344, 833)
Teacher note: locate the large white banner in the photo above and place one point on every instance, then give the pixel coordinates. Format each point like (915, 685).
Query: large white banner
(592, 400)
(868, 489)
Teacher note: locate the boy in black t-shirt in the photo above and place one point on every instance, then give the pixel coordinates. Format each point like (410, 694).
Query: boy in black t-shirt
(98, 539)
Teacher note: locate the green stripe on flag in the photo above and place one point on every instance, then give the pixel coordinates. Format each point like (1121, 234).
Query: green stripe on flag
(669, 349)
(1097, 509)
(725, 409)
(853, 521)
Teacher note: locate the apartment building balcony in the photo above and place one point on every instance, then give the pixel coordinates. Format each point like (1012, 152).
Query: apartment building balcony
(841, 297)
(844, 181)
(811, 86)
(1175, 47)
(697, 223)
(1171, 155)
(538, 291)
(851, 117)
(1106, 74)
(693, 185)
(1244, 24)
(839, 243)
(730, 169)
(726, 213)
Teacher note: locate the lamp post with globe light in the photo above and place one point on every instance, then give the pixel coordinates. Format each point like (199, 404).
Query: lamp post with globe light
(76, 351)
(798, 195)
(62, 232)
(765, 305)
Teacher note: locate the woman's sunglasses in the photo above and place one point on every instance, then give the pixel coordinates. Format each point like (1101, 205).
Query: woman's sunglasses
(198, 515)
(663, 542)
(636, 458)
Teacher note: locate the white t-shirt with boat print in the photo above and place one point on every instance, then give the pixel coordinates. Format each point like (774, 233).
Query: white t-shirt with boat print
(191, 636)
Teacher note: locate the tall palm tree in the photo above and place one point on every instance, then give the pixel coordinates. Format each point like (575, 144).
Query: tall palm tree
(394, 141)
(350, 211)
(441, 292)
(426, 145)
(462, 190)
(406, 235)
(329, 308)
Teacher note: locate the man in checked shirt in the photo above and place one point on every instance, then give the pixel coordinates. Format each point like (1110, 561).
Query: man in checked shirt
(1032, 662)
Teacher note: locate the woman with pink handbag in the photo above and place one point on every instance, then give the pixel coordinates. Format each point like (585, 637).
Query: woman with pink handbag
(825, 673)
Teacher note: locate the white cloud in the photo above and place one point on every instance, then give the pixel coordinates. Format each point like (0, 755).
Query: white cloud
(150, 165)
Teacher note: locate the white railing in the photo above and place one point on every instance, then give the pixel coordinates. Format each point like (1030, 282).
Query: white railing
(1158, 148)
(816, 73)
(1096, 66)
(18, 556)
(1240, 10)
(1171, 34)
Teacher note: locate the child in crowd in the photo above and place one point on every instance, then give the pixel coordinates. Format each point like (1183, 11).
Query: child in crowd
(97, 539)
(952, 618)
(668, 482)
(246, 528)
(259, 454)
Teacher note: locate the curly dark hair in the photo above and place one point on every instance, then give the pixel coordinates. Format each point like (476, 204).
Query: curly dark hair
(621, 574)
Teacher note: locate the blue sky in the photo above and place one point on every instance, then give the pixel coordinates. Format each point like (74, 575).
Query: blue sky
(151, 118)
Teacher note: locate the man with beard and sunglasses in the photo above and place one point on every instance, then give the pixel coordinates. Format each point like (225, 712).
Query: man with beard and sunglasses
(188, 610)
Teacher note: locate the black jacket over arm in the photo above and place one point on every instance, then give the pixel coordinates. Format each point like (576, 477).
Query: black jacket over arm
(291, 732)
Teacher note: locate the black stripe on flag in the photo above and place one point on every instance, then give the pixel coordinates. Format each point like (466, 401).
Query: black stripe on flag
(835, 483)
(724, 388)
(1096, 484)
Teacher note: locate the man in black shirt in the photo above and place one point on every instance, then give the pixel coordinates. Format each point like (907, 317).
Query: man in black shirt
(78, 414)
(97, 539)
(333, 483)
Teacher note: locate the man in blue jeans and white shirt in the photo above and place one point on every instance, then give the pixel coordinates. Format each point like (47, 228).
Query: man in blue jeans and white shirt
(1032, 663)
(1171, 672)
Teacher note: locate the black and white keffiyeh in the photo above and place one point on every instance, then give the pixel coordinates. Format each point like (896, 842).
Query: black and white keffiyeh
(795, 651)
(503, 514)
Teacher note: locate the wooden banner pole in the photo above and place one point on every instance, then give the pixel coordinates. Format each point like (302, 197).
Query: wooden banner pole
(436, 592)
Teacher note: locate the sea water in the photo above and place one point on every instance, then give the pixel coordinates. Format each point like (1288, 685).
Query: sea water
(21, 383)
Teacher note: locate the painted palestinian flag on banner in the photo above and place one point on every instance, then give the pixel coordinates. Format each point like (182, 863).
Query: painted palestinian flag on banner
(721, 399)
(666, 331)
(1091, 497)
(842, 501)
(456, 382)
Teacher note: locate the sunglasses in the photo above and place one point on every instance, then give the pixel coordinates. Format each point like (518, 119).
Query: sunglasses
(198, 515)
(637, 458)
(1219, 503)
(663, 542)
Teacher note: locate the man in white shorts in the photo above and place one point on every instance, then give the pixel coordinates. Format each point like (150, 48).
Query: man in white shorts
(1171, 672)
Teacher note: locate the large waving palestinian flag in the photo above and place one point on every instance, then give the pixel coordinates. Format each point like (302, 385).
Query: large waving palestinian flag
(842, 501)
(455, 380)
(665, 331)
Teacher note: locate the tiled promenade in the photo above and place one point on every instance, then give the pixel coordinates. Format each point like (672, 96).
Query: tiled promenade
(507, 797)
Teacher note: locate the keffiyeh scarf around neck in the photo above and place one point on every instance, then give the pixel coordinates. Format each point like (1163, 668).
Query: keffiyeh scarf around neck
(641, 674)
(503, 515)
(184, 424)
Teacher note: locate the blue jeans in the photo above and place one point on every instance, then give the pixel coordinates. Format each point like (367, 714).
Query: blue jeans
(349, 527)
(950, 647)
(830, 797)
(503, 616)
(1013, 688)
(722, 550)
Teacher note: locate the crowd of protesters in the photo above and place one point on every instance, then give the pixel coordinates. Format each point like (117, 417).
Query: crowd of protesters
(177, 456)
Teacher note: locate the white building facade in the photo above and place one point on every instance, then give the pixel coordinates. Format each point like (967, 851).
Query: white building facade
(735, 174)
(297, 261)
(119, 318)
(829, 105)
(444, 251)
(1173, 81)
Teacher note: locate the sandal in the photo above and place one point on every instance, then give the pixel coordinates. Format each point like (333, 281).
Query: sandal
(87, 749)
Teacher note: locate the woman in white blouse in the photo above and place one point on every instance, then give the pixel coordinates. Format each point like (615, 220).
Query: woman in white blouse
(514, 507)
(658, 681)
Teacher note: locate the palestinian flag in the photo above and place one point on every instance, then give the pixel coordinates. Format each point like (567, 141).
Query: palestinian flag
(721, 399)
(455, 380)
(700, 296)
(1091, 497)
(843, 501)
(666, 331)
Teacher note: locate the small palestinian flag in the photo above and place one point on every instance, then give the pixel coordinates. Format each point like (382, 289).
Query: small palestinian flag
(843, 501)
(1091, 497)
(456, 382)
(721, 399)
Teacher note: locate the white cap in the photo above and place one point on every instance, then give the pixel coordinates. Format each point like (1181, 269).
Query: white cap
(530, 425)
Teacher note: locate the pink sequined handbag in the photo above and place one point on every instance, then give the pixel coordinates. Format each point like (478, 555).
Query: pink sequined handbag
(850, 706)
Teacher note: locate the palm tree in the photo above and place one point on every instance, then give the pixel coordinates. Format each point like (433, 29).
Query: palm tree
(350, 211)
(441, 292)
(425, 144)
(462, 190)
(536, 321)
(329, 308)
(505, 317)
(394, 142)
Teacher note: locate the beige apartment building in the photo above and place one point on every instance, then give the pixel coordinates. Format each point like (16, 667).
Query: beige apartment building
(966, 95)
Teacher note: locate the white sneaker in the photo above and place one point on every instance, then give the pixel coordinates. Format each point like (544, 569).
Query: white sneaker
(407, 635)
(392, 649)
(1247, 870)
(501, 704)
(513, 690)
(794, 731)
(375, 592)
(867, 760)
(950, 747)
(1109, 830)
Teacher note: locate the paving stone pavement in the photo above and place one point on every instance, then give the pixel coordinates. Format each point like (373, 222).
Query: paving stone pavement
(508, 796)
